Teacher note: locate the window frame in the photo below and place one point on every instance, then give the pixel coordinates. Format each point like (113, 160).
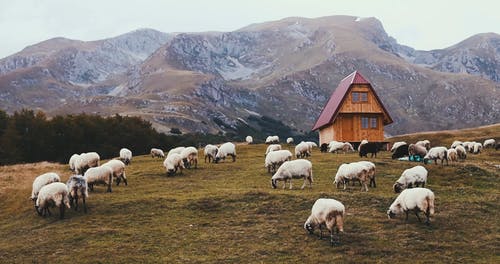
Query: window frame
(372, 119)
(365, 122)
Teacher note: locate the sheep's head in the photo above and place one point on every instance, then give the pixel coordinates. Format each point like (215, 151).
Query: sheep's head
(394, 210)
(309, 227)
(398, 187)
(390, 214)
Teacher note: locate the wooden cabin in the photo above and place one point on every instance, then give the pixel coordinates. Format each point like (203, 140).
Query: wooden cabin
(354, 112)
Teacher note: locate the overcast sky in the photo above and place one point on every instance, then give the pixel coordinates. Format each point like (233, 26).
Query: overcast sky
(421, 24)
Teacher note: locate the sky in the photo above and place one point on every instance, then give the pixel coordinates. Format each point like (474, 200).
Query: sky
(422, 24)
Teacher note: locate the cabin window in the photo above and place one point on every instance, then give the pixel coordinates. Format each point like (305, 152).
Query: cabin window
(365, 122)
(364, 97)
(355, 97)
(373, 122)
(359, 97)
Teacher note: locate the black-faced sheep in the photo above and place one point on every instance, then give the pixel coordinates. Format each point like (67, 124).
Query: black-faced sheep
(416, 199)
(436, 153)
(412, 177)
(125, 156)
(172, 163)
(53, 194)
(302, 150)
(400, 151)
(210, 152)
(397, 144)
(328, 212)
(294, 169)
(456, 143)
(226, 149)
(189, 156)
(77, 184)
(41, 181)
(157, 153)
(352, 172)
(461, 152)
(370, 147)
(476, 148)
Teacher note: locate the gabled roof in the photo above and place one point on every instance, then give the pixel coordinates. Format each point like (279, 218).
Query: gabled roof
(330, 111)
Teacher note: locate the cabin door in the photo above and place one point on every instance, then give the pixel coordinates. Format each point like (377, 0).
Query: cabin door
(347, 128)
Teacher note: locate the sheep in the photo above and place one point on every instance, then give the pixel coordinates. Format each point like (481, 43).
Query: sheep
(289, 140)
(226, 149)
(364, 141)
(118, 168)
(468, 145)
(411, 177)
(476, 148)
(126, 155)
(172, 163)
(335, 146)
(417, 150)
(311, 144)
(456, 143)
(347, 147)
(276, 158)
(289, 170)
(189, 156)
(272, 147)
(41, 181)
(86, 161)
(75, 184)
(72, 161)
(370, 147)
(176, 150)
(210, 152)
(328, 212)
(101, 174)
(461, 152)
(400, 151)
(302, 150)
(249, 139)
(157, 153)
(452, 155)
(53, 194)
(424, 143)
(272, 139)
(351, 172)
(324, 148)
(489, 143)
(436, 153)
(416, 199)
(397, 144)
(370, 167)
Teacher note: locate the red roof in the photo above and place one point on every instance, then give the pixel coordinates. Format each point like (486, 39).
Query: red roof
(330, 111)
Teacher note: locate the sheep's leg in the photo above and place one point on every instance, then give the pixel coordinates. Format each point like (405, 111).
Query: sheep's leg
(305, 183)
(418, 217)
(284, 184)
(406, 212)
(345, 186)
(118, 180)
(423, 184)
(47, 211)
(290, 183)
(61, 210)
(76, 200)
(365, 186)
(84, 204)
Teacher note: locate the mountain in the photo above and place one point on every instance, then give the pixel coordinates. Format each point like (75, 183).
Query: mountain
(281, 70)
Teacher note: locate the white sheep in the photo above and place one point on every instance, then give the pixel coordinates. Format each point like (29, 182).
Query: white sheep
(328, 212)
(452, 155)
(276, 158)
(364, 141)
(86, 161)
(172, 163)
(397, 145)
(176, 150)
(272, 139)
(289, 140)
(489, 143)
(302, 150)
(419, 150)
(335, 146)
(41, 181)
(126, 155)
(273, 147)
(462, 153)
(456, 143)
(226, 149)
(424, 143)
(476, 148)
(352, 172)
(189, 156)
(101, 174)
(371, 169)
(249, 139)
(118, 168)
(347, 147)
(294, 169)
(155, 152)
(55, 194)
(468, 145)
(436, 153)
(416, 199)
(412, 177)
(72, 161)
(210, 152)
(77, 184)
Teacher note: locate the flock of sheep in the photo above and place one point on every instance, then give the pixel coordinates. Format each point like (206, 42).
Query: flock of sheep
(49, 191)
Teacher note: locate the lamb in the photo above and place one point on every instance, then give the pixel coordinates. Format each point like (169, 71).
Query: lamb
(351, 172)
(75, 184)
(189, 156)
(273, 147)
(436, 153)
(157, 153)
(370, 147)
(276, 158)
(86, 161)
(414, 150)
(176, 150)
(289, 140)
(118, 168)
(328, 212)
(476, 148)
(41, 181)
(210, 152)
(226, 149)
(72, 161)
(397, 144)
(489, 143)
(294, 169)
(101, 174)
(370, 167)
(456, 143)
(400, 151)
(424, 143)
(416, 199)
(302, 150)
(126, 155)
(461, 152)
(364, 141)
(249, 139)
(55, 194)
(452, 155)
(172, 163)
(411, 177)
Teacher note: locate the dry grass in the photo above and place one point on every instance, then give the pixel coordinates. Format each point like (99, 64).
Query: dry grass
(228, 213)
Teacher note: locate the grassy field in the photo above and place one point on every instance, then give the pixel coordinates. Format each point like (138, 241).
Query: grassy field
(228, 213)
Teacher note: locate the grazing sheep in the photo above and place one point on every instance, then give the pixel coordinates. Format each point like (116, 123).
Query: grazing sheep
(324, 148)
(101, 174)
(461, 152)
(489, 143)
(424, 143)
(302, 150)
(364, 141)
(352, 172)
(416, 199)
(126, 155)
(294, 169)
(410, 178)
(172, 163)
(328, 212)
(118, 168)
(311, 145)
(289, 140)
(86, 161)
(417, 150)
(370, 147)
(397, 145)
(75, 184)
(272, 140)
(400, 151)
(452, 155)
(41, 181)
(189, 156)
(476, 148)
(226, 149)
(53, 194)
(249, 139)
(456, 143)
(276, 158)
(72, 161)
(436, 153)
(210, 152)
(347, 147)
(157, 153)
(272, 147)
(370, 167)
(468, 145)
(176, 150)
(335, 146)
